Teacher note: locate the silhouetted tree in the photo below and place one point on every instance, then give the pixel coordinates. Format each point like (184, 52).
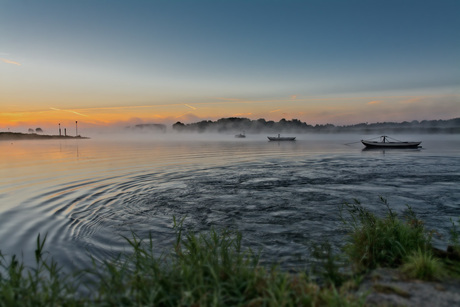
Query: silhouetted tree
(178, 126)
(39, 130)
(31, 130)
(295, 125)
(152, 127)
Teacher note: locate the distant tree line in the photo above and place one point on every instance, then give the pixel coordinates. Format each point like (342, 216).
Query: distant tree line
(235, 124)
(37, 130)
(149, 127)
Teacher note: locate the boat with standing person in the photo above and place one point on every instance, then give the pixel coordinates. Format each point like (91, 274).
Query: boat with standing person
(388, 142)
(281, 138)
(240, 135)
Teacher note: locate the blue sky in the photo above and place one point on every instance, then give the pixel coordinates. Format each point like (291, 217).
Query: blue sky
(230, 58)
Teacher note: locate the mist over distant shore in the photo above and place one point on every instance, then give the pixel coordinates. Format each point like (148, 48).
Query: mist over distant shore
(238, 124)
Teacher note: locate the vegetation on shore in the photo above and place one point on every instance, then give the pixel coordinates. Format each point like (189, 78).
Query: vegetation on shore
(214, 269)
(237, 124)
(7, 136)
(383, 242)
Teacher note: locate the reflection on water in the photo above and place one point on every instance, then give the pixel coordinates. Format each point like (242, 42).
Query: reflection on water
(86, 194)
(390, 150)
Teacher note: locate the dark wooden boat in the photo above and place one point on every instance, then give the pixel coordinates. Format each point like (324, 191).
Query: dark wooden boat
(240, 135)
(281, 138)
(387, 142)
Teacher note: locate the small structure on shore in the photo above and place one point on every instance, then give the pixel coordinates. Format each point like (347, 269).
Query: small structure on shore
(26, 136)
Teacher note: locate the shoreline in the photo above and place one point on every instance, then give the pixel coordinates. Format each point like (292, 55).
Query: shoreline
(15, 136)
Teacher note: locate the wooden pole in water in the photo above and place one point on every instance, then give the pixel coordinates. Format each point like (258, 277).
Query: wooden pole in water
(76, 128)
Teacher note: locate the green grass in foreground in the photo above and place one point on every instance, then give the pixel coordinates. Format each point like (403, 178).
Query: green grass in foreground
(422, 265)
(205, 270)
(384, 242)
(201, 270)
(213, 269)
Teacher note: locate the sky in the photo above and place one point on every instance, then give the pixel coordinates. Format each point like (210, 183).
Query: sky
(111, 62)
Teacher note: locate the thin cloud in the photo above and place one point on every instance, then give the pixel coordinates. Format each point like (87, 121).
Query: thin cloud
(240, 101)
(187, 105)
(293, 97)
(10, 62)
(78, 113)
(375, 102)
(412, 100)
(169, 105)
(128, 107)
(227, 99)
(70, 111)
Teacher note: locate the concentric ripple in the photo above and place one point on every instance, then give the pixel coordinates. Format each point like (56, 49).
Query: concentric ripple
(283, 197)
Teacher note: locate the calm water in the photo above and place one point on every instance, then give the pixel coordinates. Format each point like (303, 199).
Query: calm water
(87, 194)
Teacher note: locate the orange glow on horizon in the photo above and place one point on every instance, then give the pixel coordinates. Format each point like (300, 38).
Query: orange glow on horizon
(340, 110)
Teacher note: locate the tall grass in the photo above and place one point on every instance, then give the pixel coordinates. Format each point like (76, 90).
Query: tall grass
(41, 285)
(454, 234)
(422, 265)
(209, 269)
(382, 242)
(213, 269)
(330, 265)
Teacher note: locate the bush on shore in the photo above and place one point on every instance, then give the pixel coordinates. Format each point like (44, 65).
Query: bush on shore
(382, 242)
(422, 265)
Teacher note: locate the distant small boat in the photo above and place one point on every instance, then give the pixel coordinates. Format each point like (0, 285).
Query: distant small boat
(386, 143)
(240, 135)
(281, 138)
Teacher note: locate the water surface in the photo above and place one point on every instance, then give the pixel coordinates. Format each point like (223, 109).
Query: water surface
(284, 197)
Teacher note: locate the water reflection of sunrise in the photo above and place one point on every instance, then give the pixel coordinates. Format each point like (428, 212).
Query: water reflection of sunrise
(86, 194)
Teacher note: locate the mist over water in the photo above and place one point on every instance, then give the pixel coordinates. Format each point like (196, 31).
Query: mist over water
(283, 196)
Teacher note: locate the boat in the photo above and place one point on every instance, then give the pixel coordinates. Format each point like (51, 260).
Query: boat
(281, 138)
(240, 135)
(387, 142)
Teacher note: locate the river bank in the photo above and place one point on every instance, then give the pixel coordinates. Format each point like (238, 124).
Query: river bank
(388, 261)
(13, 136)
(390, 287)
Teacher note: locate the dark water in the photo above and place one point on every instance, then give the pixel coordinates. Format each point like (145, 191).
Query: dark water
(283, 197)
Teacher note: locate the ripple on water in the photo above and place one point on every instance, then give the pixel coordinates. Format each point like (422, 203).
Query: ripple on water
(282, 198)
